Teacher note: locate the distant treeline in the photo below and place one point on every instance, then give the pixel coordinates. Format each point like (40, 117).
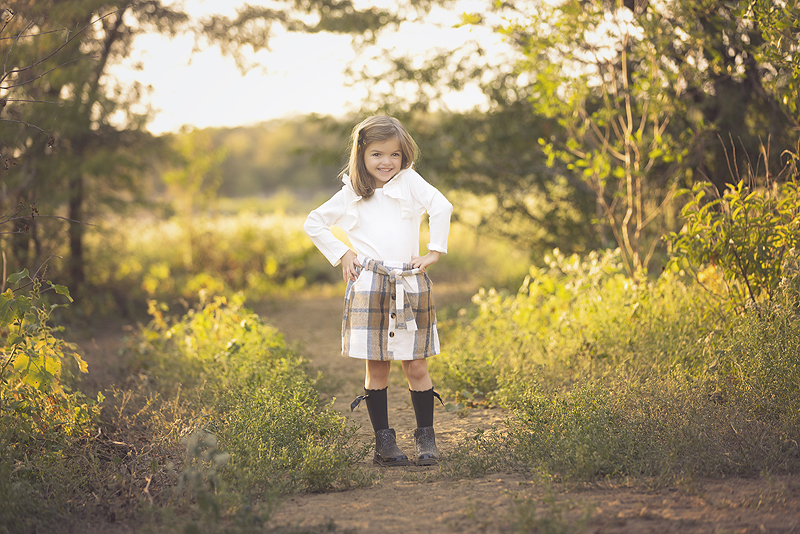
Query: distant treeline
(304, 154)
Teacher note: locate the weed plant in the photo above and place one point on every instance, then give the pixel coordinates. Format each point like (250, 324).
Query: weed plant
(217, 420)
(608, 376)
(44, 423)
(254, 425)
(42, 465)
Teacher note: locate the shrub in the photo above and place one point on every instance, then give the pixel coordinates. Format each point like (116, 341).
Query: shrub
(254, 406)
(145, 258)
(750, 234)
(605, 376)
(578, 318)
(43, 423)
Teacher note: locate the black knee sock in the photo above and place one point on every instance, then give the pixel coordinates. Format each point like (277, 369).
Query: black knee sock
(423, 407)
(377, 408)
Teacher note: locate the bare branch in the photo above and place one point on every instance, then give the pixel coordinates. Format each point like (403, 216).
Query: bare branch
(29, 35)
(29, 217)
(43, 265)
(34, 101)
(8, 55)
(26, 82)
(57, 50)
(26, 124)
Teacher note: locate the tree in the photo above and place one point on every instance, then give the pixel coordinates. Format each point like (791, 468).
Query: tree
(636, 95)
(491, 152)
(94, 155)
(612, 98)
(629, 83)
(91, 157)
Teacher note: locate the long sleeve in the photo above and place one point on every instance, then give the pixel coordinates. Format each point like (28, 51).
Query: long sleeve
(318, 227)
(438, 208)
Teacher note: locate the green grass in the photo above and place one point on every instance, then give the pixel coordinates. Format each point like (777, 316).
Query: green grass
(603, 376)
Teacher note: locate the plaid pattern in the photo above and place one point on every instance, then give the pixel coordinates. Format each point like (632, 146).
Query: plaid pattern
(372, 328)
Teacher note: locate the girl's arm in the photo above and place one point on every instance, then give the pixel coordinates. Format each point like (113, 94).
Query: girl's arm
(318, 227)
(439, 210)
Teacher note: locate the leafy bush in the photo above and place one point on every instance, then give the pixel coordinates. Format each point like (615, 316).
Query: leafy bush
(140, 259)
(258, 426)
(577, 318)
(218, 418)
(607, 376)
(43, 423)
(31, 355)
(750, 234)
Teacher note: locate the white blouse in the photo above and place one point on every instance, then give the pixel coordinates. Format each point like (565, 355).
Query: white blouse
(386, 225)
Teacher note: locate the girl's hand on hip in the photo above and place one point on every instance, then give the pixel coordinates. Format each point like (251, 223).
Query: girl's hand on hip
(350, 266)
(423, 262)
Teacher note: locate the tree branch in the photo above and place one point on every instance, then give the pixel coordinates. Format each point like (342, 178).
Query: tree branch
(51, 54)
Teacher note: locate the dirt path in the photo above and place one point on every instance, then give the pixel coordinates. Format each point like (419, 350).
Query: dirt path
(408, 500)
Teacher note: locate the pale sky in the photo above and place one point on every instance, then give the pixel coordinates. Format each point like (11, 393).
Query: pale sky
(301, 74)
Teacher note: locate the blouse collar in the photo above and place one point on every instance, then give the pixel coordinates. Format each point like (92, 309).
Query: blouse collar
(393, 188)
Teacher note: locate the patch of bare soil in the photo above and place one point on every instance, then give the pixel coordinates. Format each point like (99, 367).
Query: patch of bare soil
(407, 500)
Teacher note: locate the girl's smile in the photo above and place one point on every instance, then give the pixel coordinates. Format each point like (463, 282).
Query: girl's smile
(383, 160)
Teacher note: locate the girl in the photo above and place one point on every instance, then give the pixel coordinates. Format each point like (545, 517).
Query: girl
(388, 306)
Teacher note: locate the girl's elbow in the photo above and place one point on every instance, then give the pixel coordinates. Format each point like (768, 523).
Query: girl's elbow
(447, 208)
(311, 225)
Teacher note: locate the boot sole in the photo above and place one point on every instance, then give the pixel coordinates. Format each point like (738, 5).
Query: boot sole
(428, 462)
(391, 463)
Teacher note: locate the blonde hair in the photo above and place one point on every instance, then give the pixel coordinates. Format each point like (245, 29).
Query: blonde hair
(377, 128)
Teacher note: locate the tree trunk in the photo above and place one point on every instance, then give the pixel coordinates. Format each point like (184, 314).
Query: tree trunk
(77, 272)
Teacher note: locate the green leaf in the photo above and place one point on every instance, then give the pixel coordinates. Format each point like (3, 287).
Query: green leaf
(83, 367)
(6, 308)
(468, 19)
(16, 277)
(61, 290)
(14, 339)
(22, 306)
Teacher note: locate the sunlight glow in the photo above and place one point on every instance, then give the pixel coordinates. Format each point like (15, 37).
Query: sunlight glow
(300, 74)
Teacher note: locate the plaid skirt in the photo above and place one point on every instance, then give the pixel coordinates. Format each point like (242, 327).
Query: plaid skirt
(372, 326)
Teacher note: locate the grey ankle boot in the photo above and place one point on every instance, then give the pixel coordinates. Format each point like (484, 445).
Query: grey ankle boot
(427, 453)
(387, 453)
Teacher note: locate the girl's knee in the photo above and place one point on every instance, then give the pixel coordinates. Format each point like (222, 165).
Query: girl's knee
(416, 370)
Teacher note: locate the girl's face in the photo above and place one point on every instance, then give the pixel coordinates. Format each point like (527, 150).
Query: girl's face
(383, 160)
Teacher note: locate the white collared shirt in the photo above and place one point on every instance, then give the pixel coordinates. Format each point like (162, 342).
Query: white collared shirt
(386, 225)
